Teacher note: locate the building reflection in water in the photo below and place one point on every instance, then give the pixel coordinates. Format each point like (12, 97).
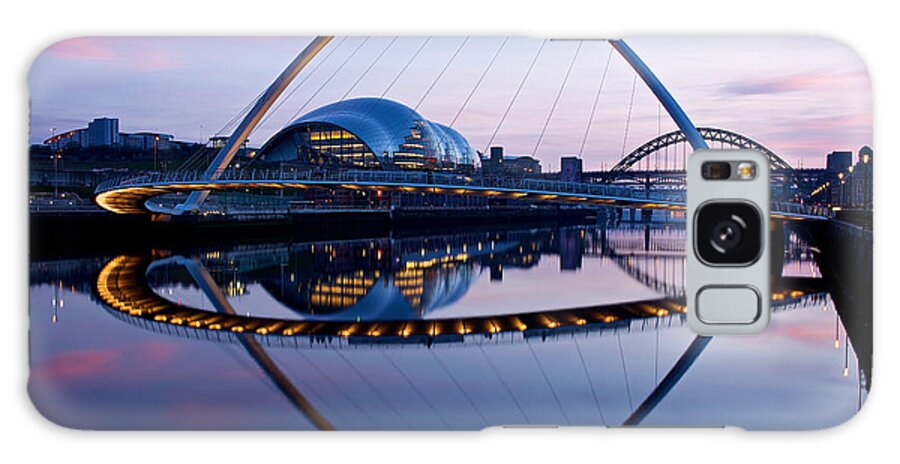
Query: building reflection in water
(408, 278)
(798, 258)
(600, 375)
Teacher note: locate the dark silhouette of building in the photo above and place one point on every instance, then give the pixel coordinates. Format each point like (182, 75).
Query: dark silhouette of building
(516, 166)
(836, 165)
(103, 132)
(493, 164)
(521, 166)
(858, 181)
(838, 161)
(571, 168)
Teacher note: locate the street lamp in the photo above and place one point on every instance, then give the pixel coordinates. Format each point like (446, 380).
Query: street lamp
(55, 155)
(841, 194)
(866, 174)
(155, 145)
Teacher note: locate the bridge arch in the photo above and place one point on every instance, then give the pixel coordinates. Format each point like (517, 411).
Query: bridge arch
(710, 134)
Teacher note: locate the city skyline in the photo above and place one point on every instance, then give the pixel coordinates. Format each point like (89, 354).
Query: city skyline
(748, 89)
(359, 270)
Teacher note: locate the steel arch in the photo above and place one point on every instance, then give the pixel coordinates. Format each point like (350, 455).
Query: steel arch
(710, 134)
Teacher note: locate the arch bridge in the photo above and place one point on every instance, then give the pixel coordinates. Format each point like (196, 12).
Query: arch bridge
(131, 195)
(709, 134)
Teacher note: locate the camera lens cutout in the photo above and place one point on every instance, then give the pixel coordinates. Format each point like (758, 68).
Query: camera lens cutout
(728, 233)
(716, 170)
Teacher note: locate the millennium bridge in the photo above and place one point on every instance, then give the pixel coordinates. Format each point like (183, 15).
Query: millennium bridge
(122, 283)
(644, 251)
(131, 195)
(626, 186)
(122, 286)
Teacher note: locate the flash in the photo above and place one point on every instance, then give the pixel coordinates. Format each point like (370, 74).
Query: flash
(746, 170)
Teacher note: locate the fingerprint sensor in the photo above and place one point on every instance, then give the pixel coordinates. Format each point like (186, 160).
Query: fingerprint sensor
(720, 304)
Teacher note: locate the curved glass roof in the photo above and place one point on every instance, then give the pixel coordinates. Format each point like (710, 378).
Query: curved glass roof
(456, 148)
(385, 300)
(386, 127)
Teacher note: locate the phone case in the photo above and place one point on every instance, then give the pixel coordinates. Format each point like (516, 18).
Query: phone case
(442, 233)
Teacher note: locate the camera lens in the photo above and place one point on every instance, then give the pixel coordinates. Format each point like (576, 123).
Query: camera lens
(728, 233)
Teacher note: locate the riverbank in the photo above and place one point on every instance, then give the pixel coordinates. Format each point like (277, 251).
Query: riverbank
(61, 234)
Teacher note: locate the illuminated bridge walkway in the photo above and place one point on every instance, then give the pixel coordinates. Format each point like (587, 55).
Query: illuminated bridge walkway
(134, 195)
(122, 286)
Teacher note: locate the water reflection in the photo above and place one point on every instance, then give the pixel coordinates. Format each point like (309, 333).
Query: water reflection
(564, 327)
(798, 258)
(473, 274)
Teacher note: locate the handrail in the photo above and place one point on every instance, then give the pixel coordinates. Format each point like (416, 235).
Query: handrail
(432, 179)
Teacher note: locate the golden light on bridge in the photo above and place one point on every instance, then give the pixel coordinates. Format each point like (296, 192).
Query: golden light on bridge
(131, 199)
(121, 285)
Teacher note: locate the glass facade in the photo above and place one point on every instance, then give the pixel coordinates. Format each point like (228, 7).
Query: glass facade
(326, 144)
(370, 133)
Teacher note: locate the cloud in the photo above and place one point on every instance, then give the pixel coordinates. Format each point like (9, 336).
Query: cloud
(76, 364)
(793, 83)
(82, 48)
(133, 54)
(759, 87)
(156, 352)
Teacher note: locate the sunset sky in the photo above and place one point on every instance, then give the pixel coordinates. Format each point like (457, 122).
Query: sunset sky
(801, 97)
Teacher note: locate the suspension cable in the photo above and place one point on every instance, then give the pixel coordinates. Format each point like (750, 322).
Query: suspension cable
(366, 72)
(328, 80)
(239, 114)
(587, 375)
(312, 72)
(440, 74)
(516, 95)
(587, 130)
(658, 131)
(556, 100)
(503, 383)
(628, 119)
(480, 78)
(358, 80)
(549, 384)
(625, 372)
(402, 70)
(195, 156)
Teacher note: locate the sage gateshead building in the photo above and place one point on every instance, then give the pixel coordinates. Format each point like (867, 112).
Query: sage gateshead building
(369, 133)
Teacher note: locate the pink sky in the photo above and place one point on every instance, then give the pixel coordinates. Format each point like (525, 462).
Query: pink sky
(801, 97)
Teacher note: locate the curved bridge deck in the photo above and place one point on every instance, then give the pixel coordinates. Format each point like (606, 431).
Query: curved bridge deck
(121, 285)
(130, 195)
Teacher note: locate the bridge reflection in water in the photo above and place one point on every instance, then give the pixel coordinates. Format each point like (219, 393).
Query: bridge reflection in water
(383, 333)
